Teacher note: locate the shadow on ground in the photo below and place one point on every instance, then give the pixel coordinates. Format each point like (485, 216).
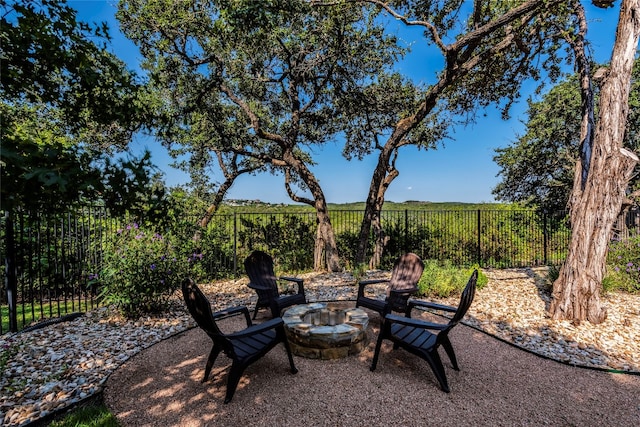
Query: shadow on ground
(498, 385)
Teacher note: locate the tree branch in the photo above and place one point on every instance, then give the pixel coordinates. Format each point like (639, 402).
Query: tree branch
(292, 195)
(255, 120)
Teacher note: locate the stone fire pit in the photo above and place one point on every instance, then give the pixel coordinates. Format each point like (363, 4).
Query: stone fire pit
(325, 330)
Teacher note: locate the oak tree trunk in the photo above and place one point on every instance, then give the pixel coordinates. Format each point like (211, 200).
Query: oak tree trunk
(326, 248)
(381, 242)
(600, 184)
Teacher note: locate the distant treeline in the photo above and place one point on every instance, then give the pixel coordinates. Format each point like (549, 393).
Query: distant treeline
(259, 206)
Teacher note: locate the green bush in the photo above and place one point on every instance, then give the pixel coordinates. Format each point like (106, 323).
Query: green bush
(623, 265)
(141, 270)
(443, 279)
(212, 246)
(289, 240)
(358, 272)
(553, 272)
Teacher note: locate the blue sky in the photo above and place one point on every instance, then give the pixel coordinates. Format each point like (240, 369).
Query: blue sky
(461, 171)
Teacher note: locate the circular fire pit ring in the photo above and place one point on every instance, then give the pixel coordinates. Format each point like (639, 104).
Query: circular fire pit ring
(325, 330)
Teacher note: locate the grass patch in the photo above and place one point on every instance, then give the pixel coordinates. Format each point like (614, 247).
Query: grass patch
(94, 415)
(50, 310)
(443, 279)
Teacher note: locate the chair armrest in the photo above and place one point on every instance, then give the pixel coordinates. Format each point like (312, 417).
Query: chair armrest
(233, 311)
(431, 305)
(404, 291)
(258, 287)
(407, 321)
(372, 281)
(255, 329)
(298, 281)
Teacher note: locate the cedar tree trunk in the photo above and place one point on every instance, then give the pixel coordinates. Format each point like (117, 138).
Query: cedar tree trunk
(600, 185)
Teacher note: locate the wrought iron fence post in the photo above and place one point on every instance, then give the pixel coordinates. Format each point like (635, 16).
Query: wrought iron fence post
(479, 254)
(11, 277)
(406, 231)
(235, 245)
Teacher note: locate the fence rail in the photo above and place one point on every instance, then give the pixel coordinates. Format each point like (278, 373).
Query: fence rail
(49, 259)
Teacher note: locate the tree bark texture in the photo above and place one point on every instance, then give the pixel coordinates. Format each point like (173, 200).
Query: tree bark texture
(326, 247)
(373, 204)
(597, 197)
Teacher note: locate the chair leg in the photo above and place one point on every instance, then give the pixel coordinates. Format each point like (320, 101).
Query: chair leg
(376, 353)
(275, 309)
(255, 312)
(446, 344)
(436, 366)
(232, 382)
(294, 370)
(213, 355)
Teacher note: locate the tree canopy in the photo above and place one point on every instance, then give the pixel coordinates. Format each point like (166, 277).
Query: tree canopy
(487, 51)
(259, 85)
(537, 168)
(66, 104)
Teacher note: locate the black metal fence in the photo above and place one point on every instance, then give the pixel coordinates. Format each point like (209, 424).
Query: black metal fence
(49, 260)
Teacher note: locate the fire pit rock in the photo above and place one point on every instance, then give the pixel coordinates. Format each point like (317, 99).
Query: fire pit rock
(325, 330)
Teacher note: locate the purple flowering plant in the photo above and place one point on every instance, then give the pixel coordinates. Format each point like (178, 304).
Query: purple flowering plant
(142, 268)
(623, 265)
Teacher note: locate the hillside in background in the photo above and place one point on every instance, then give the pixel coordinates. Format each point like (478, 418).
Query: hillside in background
(259, 206)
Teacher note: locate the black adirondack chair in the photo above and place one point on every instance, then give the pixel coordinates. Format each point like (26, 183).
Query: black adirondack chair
(262, 279)
(415, 335)
(243, 347)
(404, 281)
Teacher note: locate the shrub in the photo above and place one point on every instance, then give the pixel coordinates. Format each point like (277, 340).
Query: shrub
(141, 270)
(553, 272)
(359, 271)
(623, 265)
(286, 238)
(443, 279)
